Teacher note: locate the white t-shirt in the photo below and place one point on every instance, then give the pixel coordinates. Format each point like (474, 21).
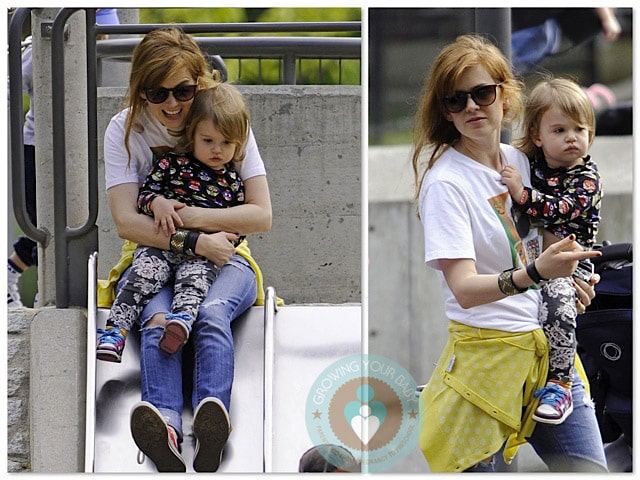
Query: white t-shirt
(154, 138)
(465, 210)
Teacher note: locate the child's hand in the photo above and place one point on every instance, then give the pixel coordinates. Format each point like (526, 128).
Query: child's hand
(165, 215)
(513, 180)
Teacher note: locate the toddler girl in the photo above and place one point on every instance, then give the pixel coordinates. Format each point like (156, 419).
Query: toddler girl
(559, 126)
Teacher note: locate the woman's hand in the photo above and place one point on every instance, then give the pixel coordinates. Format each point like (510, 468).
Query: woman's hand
(217, 247)
(561, 258)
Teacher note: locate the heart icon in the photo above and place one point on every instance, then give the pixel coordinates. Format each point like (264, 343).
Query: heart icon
(365, 416)
(365, 425)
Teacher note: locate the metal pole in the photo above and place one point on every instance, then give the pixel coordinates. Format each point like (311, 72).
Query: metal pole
(496, 23)
(73, 244)
(270, 309)
(59, 167)
(289, 62)
(92, 121)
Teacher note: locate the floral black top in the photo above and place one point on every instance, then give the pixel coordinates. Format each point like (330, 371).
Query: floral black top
(565, 200)
(186, 179)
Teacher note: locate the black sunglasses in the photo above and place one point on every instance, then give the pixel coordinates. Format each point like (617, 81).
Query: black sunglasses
(483, 96)
(182, 93)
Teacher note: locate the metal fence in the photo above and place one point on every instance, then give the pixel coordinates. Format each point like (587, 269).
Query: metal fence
(262, 59)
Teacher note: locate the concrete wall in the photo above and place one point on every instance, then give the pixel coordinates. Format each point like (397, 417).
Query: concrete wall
(309, 138)
(18, 354)
(46, 379)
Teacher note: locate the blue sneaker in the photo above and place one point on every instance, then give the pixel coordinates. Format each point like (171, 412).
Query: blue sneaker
(555, 406)
(110, 344)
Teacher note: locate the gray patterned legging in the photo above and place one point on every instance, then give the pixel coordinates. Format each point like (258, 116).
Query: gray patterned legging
(151, 269)
(558, 317)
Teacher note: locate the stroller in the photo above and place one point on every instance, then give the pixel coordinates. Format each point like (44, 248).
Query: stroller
(605, 343)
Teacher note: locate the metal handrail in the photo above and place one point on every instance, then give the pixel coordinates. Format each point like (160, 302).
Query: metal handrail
(248, 27)
(16, 118)
(287, 49)
(64, 233)
(249, 47)
(270, 309)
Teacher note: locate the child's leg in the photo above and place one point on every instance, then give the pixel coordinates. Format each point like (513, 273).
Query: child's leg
(150, 270)
(559, 307)
(558, 316)
(194, 277)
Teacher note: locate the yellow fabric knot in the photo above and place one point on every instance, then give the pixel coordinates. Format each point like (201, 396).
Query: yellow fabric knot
(474, 400)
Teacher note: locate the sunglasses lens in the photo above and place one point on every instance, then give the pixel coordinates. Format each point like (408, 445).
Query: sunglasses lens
(455, 103)
(156, 95)
(184, 93)
(484, 96)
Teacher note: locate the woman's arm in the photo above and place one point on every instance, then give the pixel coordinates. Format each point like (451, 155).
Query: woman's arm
(132, 225)
(472, 289)
(140, 228)
(252, 217)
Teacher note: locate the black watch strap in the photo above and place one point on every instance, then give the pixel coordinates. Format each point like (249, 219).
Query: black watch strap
(533, 273)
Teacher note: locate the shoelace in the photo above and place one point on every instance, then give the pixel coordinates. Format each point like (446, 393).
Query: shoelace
(112, 335)
(551, 394)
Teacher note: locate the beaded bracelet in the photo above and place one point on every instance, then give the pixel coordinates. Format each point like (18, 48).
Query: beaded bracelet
(506, 285)
(144, 203)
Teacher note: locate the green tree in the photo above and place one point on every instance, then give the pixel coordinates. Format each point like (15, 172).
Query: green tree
(193, 15)
(268, 71)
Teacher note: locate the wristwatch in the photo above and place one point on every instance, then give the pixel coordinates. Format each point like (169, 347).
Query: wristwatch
(506, 285)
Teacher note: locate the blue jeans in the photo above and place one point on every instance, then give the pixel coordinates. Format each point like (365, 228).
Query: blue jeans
(532, 45)
(573, 446)
(231, 294)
